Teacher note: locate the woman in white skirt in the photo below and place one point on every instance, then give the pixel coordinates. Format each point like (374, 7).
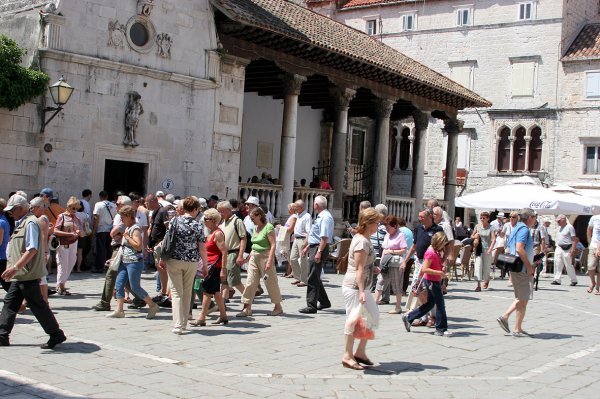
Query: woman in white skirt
(357, 283)
(483, 261)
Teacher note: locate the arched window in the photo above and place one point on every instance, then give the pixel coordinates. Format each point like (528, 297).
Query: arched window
(504, 150)
(535, 150)
(519, 150)
(404, 148)
(393, 148)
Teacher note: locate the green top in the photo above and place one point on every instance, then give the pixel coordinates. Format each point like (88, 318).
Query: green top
(260, 240)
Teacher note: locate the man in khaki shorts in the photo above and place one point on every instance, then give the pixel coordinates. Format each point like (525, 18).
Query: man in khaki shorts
(520, 243)
(593, 261)
(235, 241)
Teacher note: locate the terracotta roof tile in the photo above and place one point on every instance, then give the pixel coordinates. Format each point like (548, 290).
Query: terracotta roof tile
(586, 45)
(366, 3)
(306, 26)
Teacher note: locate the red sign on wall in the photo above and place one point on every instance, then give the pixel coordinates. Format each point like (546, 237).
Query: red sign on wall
(461, 176)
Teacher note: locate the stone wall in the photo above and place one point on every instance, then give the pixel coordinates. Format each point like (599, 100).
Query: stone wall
(187, 134)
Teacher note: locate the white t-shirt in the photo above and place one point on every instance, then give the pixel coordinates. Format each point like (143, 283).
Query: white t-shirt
(141, 219)
(565, 234)
(87, 209)
(595, 225)
(106, 211)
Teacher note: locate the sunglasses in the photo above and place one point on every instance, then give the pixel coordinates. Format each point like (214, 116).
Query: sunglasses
(208, 219)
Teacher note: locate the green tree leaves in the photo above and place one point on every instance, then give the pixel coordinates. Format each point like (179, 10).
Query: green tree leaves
(18, 85)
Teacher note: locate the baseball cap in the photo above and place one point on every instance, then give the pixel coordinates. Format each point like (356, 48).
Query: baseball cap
(160, 194)
(203, 203)
(253, 200)
(16, 200)
(48, 192)
(500, 215)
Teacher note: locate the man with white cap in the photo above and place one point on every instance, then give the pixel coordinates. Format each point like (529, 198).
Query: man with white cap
(160, 195)
(566, 245)
(25, 266)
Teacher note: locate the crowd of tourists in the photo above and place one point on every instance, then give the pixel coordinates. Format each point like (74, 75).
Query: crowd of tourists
(200, 248)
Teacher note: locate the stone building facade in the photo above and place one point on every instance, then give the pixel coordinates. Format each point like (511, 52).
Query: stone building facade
(164, 54)
(513, 53)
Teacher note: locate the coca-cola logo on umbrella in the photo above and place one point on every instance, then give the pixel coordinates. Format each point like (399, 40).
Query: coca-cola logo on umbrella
(540, 204)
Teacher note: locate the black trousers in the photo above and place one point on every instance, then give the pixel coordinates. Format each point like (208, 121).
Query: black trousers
(103, 250)
(5, 284)
(29, 290)
(315, 292)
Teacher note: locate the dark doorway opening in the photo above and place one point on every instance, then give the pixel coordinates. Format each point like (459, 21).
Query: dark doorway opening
(124, 176)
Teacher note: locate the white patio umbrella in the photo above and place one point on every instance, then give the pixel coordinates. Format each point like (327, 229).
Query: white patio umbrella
(523, 193)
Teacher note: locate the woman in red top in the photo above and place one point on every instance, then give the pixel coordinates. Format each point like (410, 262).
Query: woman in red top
(216, 251)
(432, 272)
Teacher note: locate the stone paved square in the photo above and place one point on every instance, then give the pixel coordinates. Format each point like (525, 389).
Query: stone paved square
(298, 356)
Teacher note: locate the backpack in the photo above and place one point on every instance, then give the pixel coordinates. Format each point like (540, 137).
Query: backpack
(248, 248)
(167, 245)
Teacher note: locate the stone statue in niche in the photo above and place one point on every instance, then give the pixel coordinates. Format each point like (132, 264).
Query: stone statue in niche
(163, 43)
(144, 7)
(133, 111)
(116, 34)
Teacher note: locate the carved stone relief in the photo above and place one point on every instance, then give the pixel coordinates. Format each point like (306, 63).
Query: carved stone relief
(144, 7)
(163, 43)
(116, 34)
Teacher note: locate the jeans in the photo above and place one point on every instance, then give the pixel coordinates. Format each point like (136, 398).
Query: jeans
(434, 297)
(29, 290)
(103, 250)
(109, 286)
(131, 272)
(315, 290)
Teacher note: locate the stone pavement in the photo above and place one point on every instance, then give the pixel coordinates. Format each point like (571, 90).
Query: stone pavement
(298, 356)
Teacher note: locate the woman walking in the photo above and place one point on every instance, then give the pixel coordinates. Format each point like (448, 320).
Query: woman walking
(483, 261)
(188, 242)
(432, 273)
(261, 264)
(68, 229)
(394, 249)
(214, 273)
(132, 265)
(357, 283)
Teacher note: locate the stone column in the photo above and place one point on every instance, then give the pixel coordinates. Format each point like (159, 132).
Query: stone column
(527, 143)
(511, 138)
(411, 139)
(453, 127)
(383, 109)
(342, 97)
(418, 177)
(287, 155)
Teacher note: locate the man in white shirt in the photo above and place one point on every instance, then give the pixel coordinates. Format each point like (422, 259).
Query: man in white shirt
(86, 196)
(104, 212)
(593, 236)
(299, 262)
(566, 244)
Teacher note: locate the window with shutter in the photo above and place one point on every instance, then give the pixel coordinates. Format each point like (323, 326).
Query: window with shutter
(372, 27)
(519, 150)
(409, 22)
(462, 74)
(523, 78)
(463, 17)
(592, 85)
(526, 11)
(535, 151)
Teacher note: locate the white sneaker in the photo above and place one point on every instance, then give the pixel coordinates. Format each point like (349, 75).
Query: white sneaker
(115, 314)
(177, 330)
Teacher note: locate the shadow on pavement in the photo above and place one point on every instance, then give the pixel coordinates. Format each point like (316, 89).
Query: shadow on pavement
(73, 347)
(399, 367)
(554, 336)
(459, 319)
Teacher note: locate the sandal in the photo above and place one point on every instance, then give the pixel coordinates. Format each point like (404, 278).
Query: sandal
(365, 361)
(353, 366)
(590, 289)
(198, 323)
(477, 289)
(486, 285)
(597, 292)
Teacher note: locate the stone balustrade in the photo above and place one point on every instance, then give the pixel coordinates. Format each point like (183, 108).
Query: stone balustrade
(271, 195)
(402, 207)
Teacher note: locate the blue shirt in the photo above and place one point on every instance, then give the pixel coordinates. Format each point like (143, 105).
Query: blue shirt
(520, 233)
(322, 227)
(408, 235)
(5, 227)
